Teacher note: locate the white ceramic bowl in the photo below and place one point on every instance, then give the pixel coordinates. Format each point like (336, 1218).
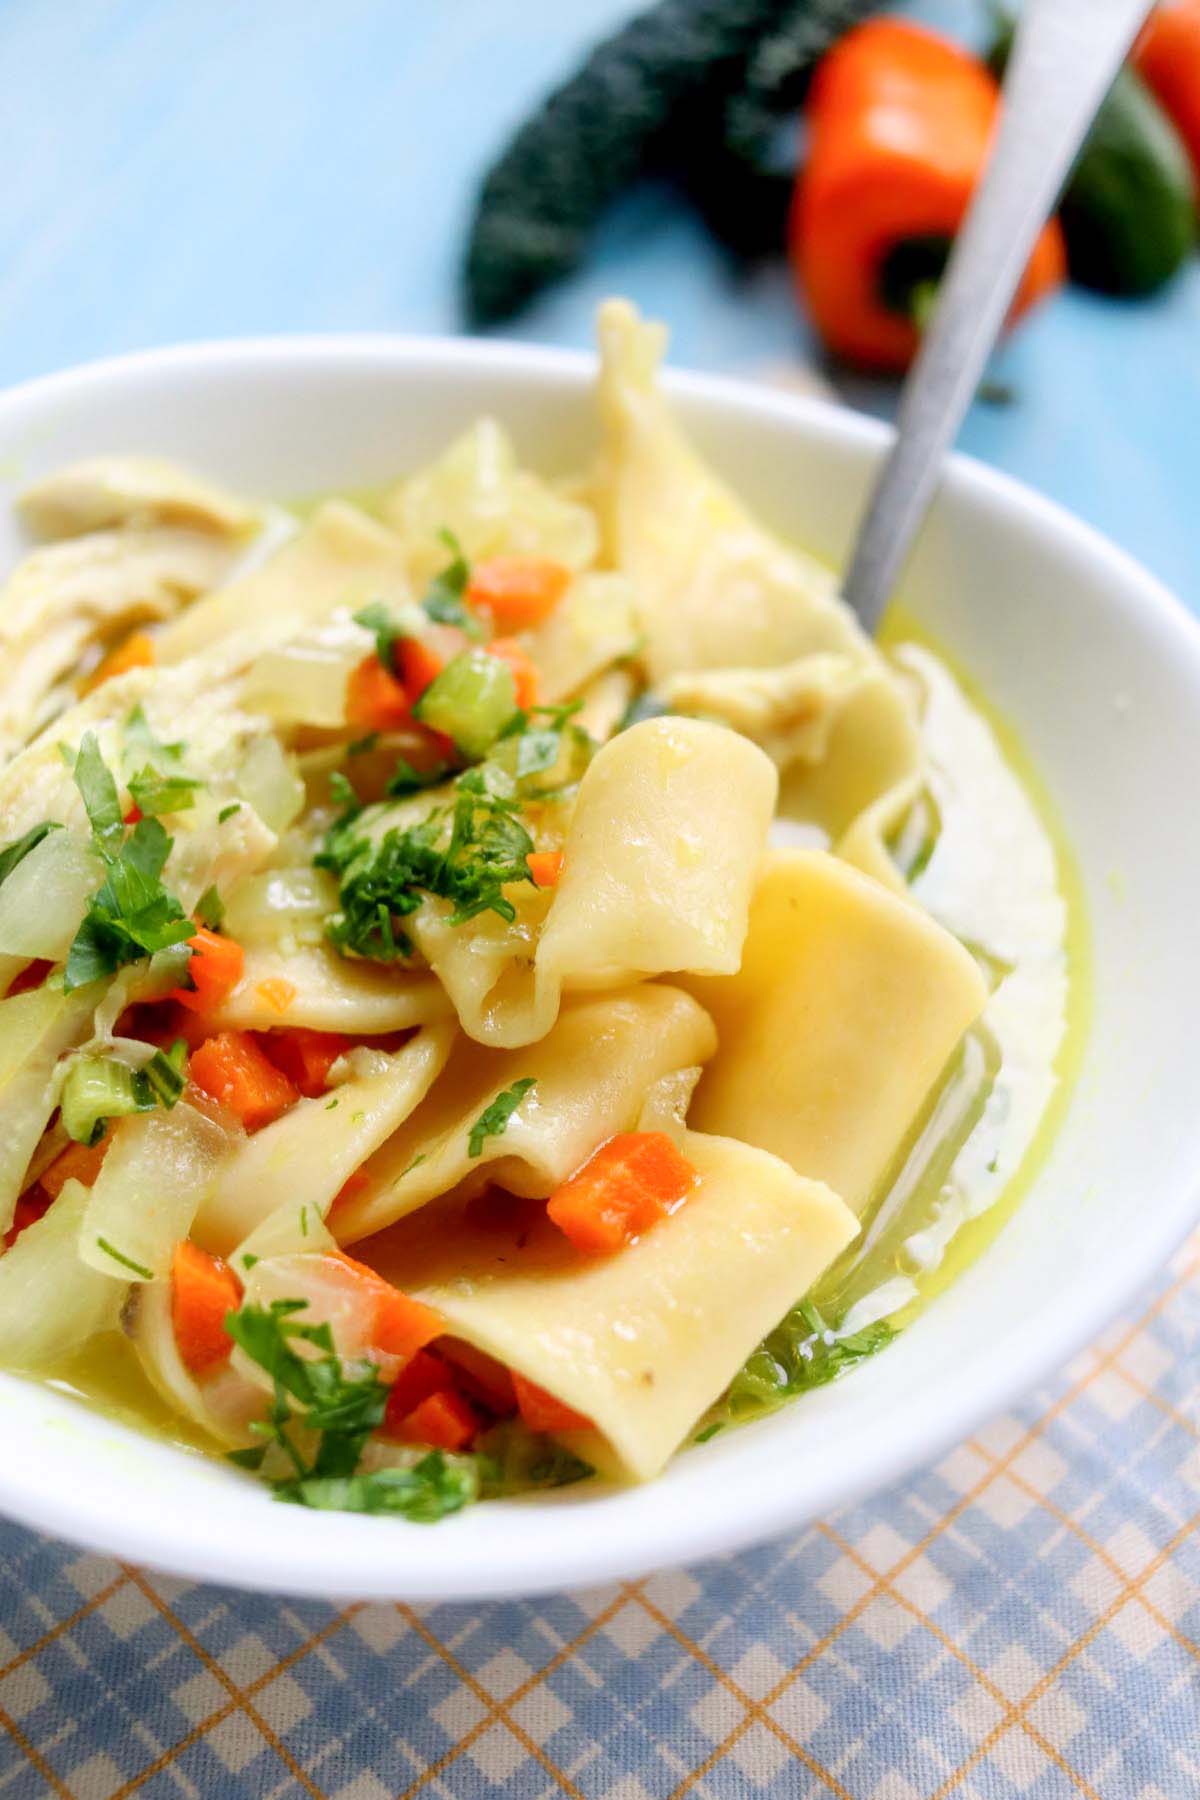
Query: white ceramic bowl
(1098, 669)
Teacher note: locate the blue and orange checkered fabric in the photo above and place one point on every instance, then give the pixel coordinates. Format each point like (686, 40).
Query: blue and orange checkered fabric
(1019, 1622)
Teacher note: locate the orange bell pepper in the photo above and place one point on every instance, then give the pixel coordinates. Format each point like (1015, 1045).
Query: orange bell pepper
(900, 121)
(1167, 57)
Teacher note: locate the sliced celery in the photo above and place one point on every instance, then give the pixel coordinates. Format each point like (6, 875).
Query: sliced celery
(98, 1088)
(472, 701)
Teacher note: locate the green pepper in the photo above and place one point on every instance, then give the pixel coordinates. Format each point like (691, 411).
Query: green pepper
(1128, 209)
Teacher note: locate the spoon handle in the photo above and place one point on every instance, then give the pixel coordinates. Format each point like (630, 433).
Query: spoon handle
(1064, 58)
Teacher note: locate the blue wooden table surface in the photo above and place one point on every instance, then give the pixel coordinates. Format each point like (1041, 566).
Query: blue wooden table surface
(182, 170)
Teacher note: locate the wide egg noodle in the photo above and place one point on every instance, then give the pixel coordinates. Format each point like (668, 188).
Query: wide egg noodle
(308, 1155)
(643, 1341)
(327, 992)
(340, 557)
(590, 1075)
(660, 856)
(51, 1302)
(846, 1009)
(658, 864)
(737, 625)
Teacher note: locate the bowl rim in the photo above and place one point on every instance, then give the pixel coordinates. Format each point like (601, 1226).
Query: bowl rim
(586, 1558)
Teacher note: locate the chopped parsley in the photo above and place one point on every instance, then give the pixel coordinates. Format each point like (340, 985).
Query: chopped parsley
(388, 628)
(132, 914)
(802, 1352)
(154, 770)
(405, 780)
(227, 812)
(338, 1405)
(19, 849)
(210, 908)
(466, 852)
(542, 740)
(443, 604)
(444, 601)
(493, 1121)
(126, 1262)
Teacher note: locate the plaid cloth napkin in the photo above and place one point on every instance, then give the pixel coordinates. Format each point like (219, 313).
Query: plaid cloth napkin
(1020, 1622)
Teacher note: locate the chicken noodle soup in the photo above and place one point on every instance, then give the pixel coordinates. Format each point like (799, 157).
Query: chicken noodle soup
(502, 980)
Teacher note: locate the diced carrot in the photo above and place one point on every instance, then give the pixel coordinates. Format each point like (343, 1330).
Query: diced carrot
(78, 1162)
(276, 993)
(31, 976)
(215, 966)
(445, 1421)
(232, 1069)
(305, 1056)
(480, 1376)
(518, 591)
(375, 700)
(422, 1375)
(33, 1205)
(525, 675)
(418, 664)
(545, 866)
(543, 1412)
(137, 652)
(631, 1181)
(402, 1326)
(203, 1290)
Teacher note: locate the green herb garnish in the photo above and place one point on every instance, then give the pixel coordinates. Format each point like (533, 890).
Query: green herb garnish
(405, 780)
(210, 908)
(338, 1405)
(154, 770)
(466, 853)
(802, 1352)
(126, 1262)
(132, 915)
(227, 812)
(493, 1121)
(443, 599)
(19, 849)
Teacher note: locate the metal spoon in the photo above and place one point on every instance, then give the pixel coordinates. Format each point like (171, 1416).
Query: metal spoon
(1063, 61)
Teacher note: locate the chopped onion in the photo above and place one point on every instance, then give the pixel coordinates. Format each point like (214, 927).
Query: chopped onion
(304, 683)
(269, 782)
(156, 1173)
(281, 903)
(51, 1303)
(46, 896)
